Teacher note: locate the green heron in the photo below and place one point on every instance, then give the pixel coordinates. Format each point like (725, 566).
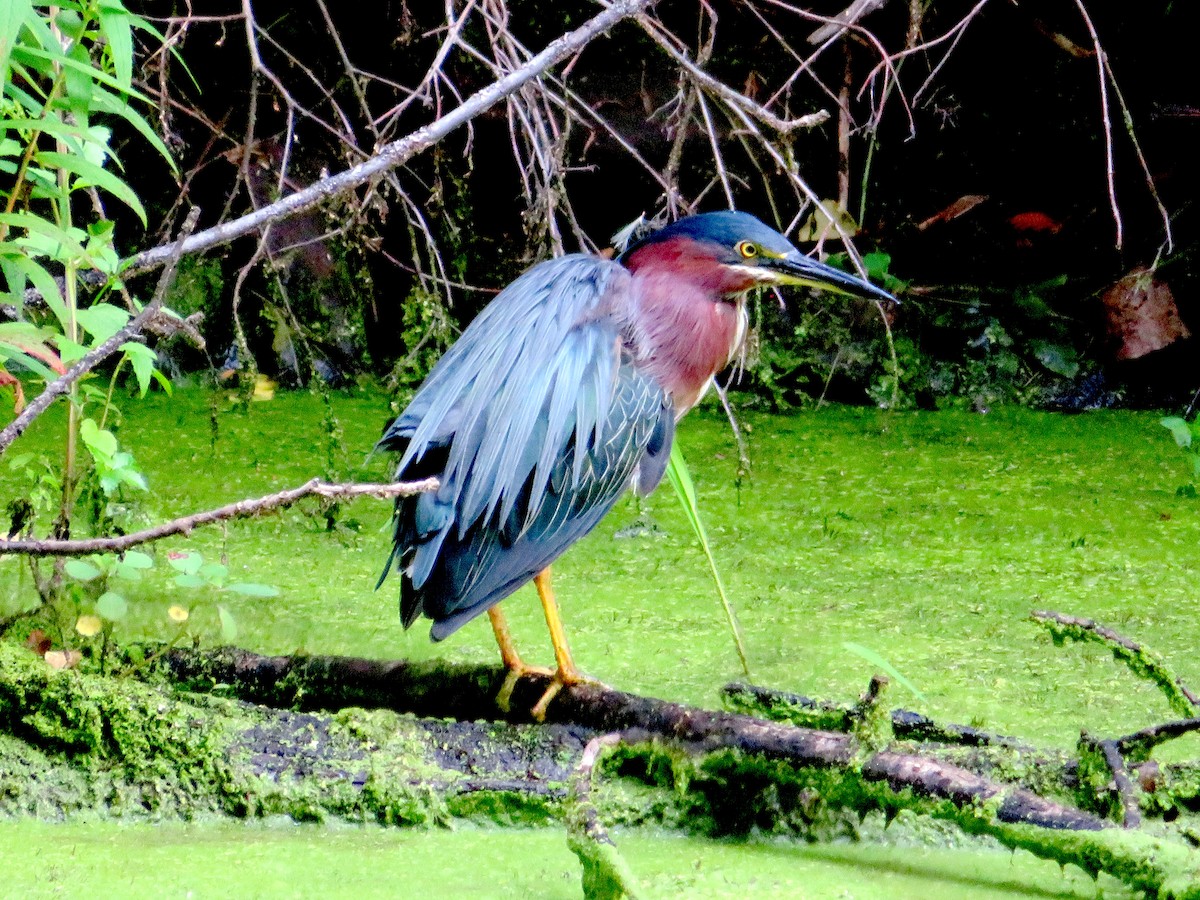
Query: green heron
(561, 394)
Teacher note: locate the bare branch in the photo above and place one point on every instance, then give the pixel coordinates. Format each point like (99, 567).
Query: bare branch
(734, 99)
(1141, 660)
(400, 151)
(844, 19)
(242, 509)
(1109, 165)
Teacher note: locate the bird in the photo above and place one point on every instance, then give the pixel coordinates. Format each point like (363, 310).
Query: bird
(563, 393)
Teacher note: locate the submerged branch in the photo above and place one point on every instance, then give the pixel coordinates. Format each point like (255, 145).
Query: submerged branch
(1141, 660)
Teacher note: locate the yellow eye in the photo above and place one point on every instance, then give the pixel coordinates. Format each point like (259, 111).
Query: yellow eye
(747, 249)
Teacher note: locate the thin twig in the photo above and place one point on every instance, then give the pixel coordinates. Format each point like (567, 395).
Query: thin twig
(242, 509)
(731, 97)
(94, 357)
(400, 151)
(1109, 165)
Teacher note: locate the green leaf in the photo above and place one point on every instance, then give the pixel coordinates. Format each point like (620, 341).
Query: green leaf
(1058, 358)
(102, 320)
(188, 562)
(13, 14)
(69, 133)
(883, 665)
(112, 606)
(877, 264)
(58, 239)
(100, 442)
(685, 490)
(90, 174)
(19, 267)
(213, 572)
(143, 360)
(115, 26)
(136, 559)
(68, 350)
(113, 106)
(250, 589)
(81, 570)
(229, 630)
(1179, 428)
(190, 581)
(36, 56)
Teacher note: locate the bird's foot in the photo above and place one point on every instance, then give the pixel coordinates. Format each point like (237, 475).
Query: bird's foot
(560, 679)
(516, 673)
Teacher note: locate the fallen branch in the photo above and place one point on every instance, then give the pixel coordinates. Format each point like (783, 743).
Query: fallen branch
(1131, 815)
(345, 753)
(242, 509)
(605, 873)
(1139, 744)
(781, 706)
(724, 745)
(1141, 660)
(469, 693)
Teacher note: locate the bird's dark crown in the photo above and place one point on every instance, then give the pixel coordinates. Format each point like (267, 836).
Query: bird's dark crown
(726, 228)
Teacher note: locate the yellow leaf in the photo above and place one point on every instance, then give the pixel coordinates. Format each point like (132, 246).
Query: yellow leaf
(178, 614)
(89, 626)
(820, 223)
(264, 388)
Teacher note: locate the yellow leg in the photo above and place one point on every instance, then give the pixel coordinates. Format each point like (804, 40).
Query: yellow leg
(511, 659)
(558, 635)
(566, 673)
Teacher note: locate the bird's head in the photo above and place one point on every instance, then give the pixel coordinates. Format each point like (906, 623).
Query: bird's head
(735, 252)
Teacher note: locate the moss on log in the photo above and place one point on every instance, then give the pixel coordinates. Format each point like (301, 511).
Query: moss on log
(420, 744)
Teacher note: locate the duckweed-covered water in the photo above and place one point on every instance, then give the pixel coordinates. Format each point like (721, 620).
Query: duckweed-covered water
(926, 537)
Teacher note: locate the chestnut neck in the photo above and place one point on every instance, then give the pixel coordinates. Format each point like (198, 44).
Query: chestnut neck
(687, 320)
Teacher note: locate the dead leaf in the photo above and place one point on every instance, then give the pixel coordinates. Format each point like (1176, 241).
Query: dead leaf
(64, 659)
(819, 224)
(1035, 221)
(38, 642)
(959, 207)
(1062, 41)
(1141, 315)
(7, 379)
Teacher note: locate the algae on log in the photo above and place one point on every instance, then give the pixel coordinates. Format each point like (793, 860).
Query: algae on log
(74, 742)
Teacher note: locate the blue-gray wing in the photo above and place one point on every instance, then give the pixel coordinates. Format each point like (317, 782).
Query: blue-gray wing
(536, 421)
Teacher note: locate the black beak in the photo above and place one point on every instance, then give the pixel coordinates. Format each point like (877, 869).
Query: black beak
(796, 268)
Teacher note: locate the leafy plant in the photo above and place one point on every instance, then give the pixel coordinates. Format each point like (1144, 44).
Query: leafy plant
(67, 74)
(1187, 438)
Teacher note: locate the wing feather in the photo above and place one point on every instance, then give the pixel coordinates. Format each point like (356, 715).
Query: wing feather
(535, 421)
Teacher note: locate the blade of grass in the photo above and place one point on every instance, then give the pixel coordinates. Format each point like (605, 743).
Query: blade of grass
(883, 665)
(685, 490)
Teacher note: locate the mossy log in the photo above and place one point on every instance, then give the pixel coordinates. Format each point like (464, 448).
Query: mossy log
(420, 743)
